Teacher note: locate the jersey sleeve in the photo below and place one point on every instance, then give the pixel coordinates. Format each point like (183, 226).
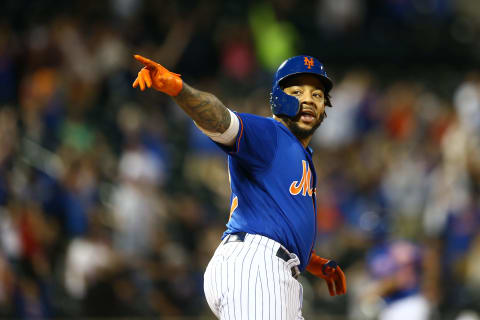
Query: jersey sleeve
(256, 141)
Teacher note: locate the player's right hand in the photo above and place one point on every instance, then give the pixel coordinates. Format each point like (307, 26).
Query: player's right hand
(157, 76)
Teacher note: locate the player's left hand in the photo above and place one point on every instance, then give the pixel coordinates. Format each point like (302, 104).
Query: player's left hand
(330, 272)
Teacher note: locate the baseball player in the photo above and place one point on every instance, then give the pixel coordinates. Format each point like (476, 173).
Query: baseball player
(271, 230)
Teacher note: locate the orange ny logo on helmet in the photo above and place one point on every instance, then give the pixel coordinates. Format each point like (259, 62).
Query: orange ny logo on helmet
(308, 62)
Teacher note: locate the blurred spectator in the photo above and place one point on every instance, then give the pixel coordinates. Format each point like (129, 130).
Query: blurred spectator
(467, 104)
(396, 271)
(274, 40)
(340, 16)
(87, 258)
(351, 94)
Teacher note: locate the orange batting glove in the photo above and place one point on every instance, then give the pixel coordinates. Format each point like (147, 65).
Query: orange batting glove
(157, 76)
(329, 271)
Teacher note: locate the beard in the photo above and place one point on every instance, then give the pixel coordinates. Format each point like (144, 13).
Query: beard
(301, 133)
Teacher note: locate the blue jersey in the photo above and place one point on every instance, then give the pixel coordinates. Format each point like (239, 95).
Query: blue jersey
(273, 180)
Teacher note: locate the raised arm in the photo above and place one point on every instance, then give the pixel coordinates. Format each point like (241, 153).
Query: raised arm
(204, 108)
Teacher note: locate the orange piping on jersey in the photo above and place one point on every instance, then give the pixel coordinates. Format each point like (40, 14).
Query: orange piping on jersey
(233, 207)
(241, 133)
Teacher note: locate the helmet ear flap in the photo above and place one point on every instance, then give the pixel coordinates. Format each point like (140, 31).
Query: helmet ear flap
(282, 103)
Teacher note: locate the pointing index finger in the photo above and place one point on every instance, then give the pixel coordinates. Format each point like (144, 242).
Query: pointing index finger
(145, 61)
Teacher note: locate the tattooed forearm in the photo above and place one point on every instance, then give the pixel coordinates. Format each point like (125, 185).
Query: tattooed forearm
(204, 108)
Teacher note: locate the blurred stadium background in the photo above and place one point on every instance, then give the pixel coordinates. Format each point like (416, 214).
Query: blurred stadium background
(111, 202)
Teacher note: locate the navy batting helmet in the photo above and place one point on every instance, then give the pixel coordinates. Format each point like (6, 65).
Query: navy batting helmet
(284, 104)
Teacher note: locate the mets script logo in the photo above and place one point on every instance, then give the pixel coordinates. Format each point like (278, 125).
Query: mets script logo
(304, 185)
(308, 62)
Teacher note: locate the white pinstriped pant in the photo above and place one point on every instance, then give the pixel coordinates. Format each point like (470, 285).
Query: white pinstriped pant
(246, 280)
